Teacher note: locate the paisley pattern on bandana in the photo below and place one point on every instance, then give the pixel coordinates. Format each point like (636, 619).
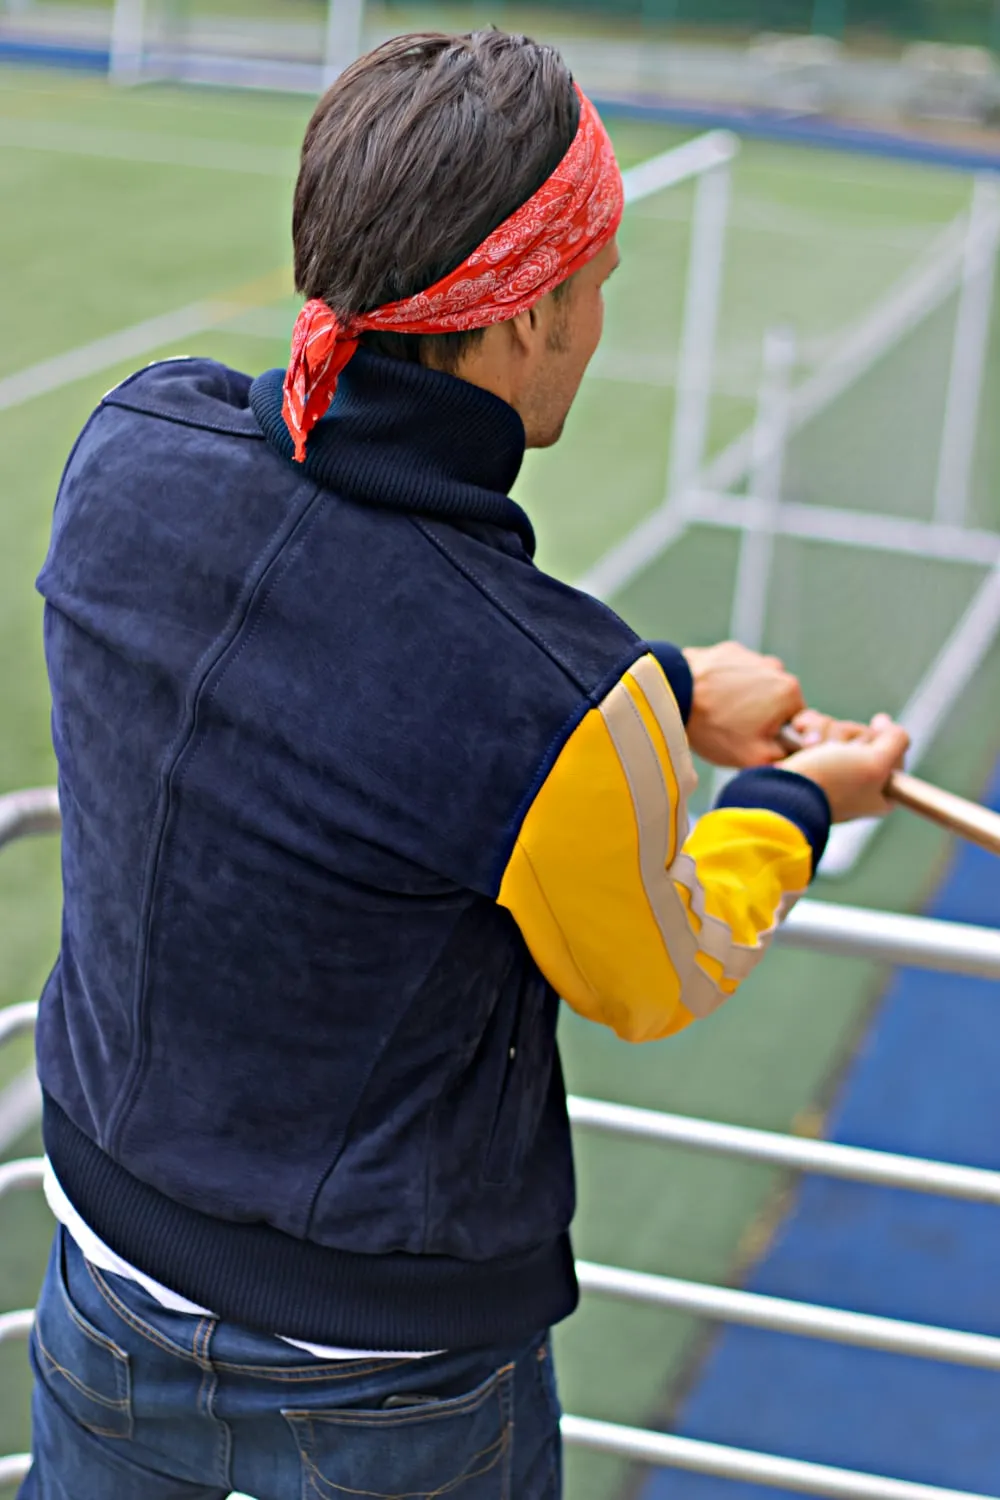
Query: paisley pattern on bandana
(564, 225)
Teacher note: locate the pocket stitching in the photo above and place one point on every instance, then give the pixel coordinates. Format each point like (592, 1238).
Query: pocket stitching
(119, 1406)
(79, 1385)
(144, 1330)
(316, 1478)
(317, 1482)
(124, 1432)
(89, 1332)
(319, 1371)
(341, 1370)
(455, 1406)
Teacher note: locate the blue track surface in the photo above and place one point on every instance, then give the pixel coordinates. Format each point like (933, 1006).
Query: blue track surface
(927, 1082)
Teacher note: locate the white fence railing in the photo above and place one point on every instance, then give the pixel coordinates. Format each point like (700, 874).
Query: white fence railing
(959, 266)
(826, 928)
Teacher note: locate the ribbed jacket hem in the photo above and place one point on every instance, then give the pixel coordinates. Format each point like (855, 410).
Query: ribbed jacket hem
(264, 1279)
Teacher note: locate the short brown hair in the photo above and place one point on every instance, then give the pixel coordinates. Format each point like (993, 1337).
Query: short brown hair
(414, 155)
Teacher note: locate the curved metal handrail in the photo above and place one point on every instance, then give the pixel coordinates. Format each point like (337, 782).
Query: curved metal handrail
(30, 812)
(696, 1457)
(892, 938)
(834, 1325)
(14, 1468)
(26, 1173)
(797, 1152)
(15, 1019)
(16, 1325)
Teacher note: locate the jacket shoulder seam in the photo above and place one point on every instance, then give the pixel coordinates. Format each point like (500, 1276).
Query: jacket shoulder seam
(159, 414)
(524, 626)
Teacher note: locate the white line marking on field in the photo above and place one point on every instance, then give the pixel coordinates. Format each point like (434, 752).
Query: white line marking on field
(264, 323)
(129, 343)
(132, 343)
(20, 1108)
(156, 150)
(755, 214)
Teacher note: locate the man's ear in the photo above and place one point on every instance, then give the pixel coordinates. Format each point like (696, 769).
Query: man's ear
(525, 329)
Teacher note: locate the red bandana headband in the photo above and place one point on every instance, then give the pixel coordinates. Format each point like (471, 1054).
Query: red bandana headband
(564, 225)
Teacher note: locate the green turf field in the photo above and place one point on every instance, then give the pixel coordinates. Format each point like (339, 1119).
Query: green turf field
(122, 208)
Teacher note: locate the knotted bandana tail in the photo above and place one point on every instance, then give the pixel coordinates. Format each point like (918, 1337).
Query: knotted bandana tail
(570, 219)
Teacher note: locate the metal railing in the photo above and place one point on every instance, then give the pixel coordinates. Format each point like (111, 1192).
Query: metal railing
(24, 813)
(799, 1153)
(915, 941)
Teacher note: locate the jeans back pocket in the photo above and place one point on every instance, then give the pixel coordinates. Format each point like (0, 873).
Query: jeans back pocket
(84, 1370)
(460, 1447)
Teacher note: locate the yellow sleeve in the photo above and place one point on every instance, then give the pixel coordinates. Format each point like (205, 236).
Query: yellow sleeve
(635, 923)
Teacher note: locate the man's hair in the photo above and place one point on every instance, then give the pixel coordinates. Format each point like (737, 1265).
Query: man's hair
(413, 157)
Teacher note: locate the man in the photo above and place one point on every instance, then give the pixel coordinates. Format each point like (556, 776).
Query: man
(352, 793)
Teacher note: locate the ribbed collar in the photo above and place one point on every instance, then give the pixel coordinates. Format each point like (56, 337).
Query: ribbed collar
(407, 438)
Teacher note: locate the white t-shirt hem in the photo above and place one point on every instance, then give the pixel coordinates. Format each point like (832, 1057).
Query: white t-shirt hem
(98, 1254)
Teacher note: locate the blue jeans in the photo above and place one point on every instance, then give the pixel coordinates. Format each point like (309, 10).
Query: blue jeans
(135, 1403)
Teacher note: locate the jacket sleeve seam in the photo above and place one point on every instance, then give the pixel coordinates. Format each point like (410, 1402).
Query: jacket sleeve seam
(589, 697)
(498, 604)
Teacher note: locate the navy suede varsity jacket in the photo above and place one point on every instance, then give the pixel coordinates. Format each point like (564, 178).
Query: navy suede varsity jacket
(351, 792)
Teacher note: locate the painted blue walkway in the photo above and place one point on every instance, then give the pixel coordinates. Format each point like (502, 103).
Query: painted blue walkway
(927, 1082)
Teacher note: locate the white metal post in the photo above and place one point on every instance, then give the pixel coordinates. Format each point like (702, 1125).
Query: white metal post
(344, 21)
(125, 58)
(968, 360)
(767, 464)
(769, 438)
(693, 391)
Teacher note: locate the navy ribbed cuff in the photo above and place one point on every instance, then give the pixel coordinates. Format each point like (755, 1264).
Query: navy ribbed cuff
(677, 672)
(795, 797)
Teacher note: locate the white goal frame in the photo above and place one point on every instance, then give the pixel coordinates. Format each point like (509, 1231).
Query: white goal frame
(136, 56)
(702, 494)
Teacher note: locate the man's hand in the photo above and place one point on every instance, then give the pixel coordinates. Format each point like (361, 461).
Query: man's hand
(852, 763)
(741, 700)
